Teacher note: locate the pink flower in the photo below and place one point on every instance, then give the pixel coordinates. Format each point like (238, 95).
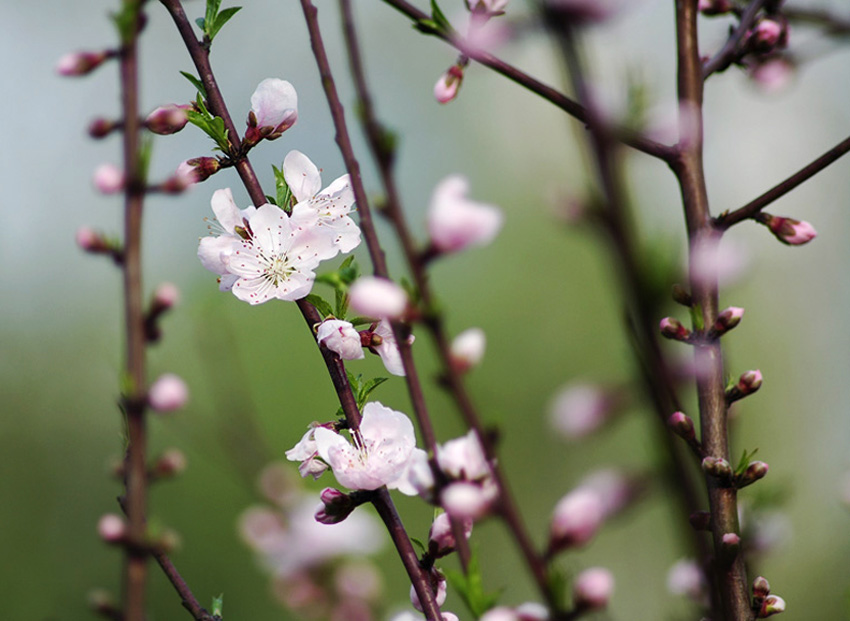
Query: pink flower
(455, 222)
(275, 106)
(576, 518)
(772, 74)
(80, 63)
(108, 179)
(111, 528)
(448, 85)
(377, 297)
(467, 348)
(788, 230)
(341, 338)
(492, 7)
(388, 349)
(469, 501)
(442, 536)
(579, 409)
(307, 452)
(168, 393)
(167, 295)
(440, 592)
(168, 119)
(463, 458)
(593, 588)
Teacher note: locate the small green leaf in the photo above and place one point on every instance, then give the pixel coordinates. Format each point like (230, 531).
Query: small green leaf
(221, 20)
(471, 588)
(321, 305)
(746, 458)
(341, 303)
(218, 605)
(427, 26)
(125, 21)
(440, 18)
(557, 580)
(367, 389)
(202, 23)
(271, 199)
(419, 545)
(212, 11)
(360, 321)
(284, 194)
(195, 82)
(696, 317)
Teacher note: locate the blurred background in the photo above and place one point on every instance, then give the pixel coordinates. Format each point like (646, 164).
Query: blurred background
(544, 292)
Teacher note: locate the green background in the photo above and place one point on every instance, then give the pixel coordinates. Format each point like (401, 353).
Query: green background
(544, 292)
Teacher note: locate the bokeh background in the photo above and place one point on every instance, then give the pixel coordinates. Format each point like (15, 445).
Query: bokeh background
(544, 292)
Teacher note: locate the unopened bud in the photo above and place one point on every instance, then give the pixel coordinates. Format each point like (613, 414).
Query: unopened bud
(467, 348)
(593, 588)
(761, 589)
(749, 382)
(700, 520)
(447, 87)
(681, 296)
(788, 230)
(714, 7)
(90, 240)
(767, 35)
(202, 167)
(183, 178)
(111, 528)
(108, 179)
(672, 328)
(377, 297)
(171, 463)
(337, 506)
(576, 518)
(168, 393)
(80, 63)
(682, 426)
(728, 319)
(100, 127)
(772, 605)
(168, 119)
(717, 467)
(441, 538)
(166, 295)
(755, 470)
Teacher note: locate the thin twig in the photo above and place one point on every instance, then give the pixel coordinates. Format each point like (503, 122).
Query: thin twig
(751, 209)
(571, 107)
(730, 52)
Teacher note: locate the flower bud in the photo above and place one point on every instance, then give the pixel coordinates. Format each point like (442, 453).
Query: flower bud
(467, 348)
(274, 109)
(714, 7)
(749, 382)
(456, 222)
(111, 528)
(532, 611)
(80, 63)
(202, 167)
(377, 297)
(682, 426)
(772, 605)
(788, 230)
(100, 127)
(90, 240)
(728, 319)
(576, 518)
(338, 506)
(438, 588)
(108, 179)
(761, 589)
(767, 34)
(168, 119)
(341, 338)
(171, 463)
(468, 501)
(487, 7)
(731, 541)
(773, 73)
(447, 87)
(183, 178)
(593, 588)
(441, 536)
(717, 467)
(166, 296)
(681, 296)
(500, 613)
(755, 470)
(579, 409)
(168, 393)
(672, 328)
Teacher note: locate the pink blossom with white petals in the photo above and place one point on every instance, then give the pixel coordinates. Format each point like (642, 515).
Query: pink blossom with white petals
(440, 595)
(468, 347)
(341, 338)
(463, 458)
(168, 393)
(579, 409)
(377, 297)
(108, 179)
(380, 451)
(307, 452)
(593, 588)
(111, 528)
(322, 215)
(576, 518)
(229, 227)
(388, 348)
(455, 222)
(275, 106)
(469, 501)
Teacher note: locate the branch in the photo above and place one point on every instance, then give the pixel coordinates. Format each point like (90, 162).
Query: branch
(558, 99)
(730, 52)
(833, 25)
(751, 209)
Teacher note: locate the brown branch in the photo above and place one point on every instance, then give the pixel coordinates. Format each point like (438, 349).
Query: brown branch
(751, 209)
(558, 99)
(731, 51)
(730, 574)
(188, 600)
(832, 24)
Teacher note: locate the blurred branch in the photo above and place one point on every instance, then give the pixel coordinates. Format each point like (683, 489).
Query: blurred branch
(724, 221)
(731, 51)
(832, 24)
(574, 109)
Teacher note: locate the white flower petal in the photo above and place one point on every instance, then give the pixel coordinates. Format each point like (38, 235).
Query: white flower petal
(302, 176)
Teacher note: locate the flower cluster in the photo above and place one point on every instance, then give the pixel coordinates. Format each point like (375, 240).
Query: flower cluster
(263, 253)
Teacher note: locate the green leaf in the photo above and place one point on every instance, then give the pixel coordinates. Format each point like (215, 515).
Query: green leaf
(217, 605)
(696, 317)
(196, 83)
(321, 305)
(419, 545)
(440, 18)
(212, 12)
(125, 21)
(557, 580)
(202, 23)
(471, 587)
(360, 321)
(367, 389)
(746, 458)
(271, 199)
(427, 26)
(145, 151)
(284, 194)
(221, 20)
(341, 303)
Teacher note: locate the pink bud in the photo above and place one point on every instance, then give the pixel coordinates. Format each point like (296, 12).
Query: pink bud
(467, 348)
(682, 425)
(749, 382)
(441, 536)
(111, 528)
(274, 106)
(576, 518)
(593, 588)
(788, 230)
(202, 167)
(108, 179)
(341, 338)
(714, 7)
(439, 590)
(183, 178)
(767, 34)
(447, 87)
(728, 319)
(89, 240)
(168, 119)
(580, 409)
(337, 506)
(731, 540)
(672, 328)
(772, 605)
(80, 63)
(532, 611)
(772, 74)
(755, 470)
(168, 393)
(717, 467)
(166, 295)
(377, 297)
(100, 128)
(468, 501)
(761, 589)
(456, 222)
(500, 613)
(171, 463)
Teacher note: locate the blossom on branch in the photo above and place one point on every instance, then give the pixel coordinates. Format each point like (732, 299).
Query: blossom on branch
(274, 109)
(377, 297)
(341, 338)
(455, 222)
(387, 348)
